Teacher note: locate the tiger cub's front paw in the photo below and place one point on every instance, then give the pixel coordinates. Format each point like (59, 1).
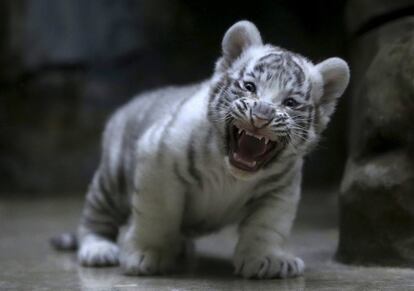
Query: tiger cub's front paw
(147, 262)
(98, 253)
(267, 265)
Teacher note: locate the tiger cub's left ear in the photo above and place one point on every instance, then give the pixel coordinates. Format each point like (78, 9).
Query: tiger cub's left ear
(238, 38)
(335, 78)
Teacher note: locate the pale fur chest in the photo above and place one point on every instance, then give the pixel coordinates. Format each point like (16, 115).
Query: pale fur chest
(219, 201)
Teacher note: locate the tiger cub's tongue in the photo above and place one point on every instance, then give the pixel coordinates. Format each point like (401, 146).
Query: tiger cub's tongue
(249, 147)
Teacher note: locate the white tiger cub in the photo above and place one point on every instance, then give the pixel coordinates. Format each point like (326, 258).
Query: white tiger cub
(185, 161)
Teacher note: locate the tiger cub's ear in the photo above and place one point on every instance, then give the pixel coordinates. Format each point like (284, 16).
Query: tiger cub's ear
(335, 79)
(238, 38)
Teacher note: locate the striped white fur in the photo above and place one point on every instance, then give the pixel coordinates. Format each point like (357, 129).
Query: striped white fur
(166, 166)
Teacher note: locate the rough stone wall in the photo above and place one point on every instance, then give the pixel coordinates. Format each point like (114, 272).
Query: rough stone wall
(64, 67)
(377, 193)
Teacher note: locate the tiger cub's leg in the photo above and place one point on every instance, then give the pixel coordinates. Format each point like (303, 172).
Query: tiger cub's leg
(261, 251)
(100, 222)
(153, 241)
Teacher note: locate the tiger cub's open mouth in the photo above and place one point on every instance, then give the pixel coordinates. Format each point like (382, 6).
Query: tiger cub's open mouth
(249, 149)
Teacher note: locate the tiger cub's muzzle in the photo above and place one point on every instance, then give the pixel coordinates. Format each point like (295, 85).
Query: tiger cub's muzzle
(253, 142)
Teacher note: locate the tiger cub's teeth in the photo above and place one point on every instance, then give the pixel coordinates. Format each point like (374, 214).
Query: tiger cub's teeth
(254, 135)
(240, 131)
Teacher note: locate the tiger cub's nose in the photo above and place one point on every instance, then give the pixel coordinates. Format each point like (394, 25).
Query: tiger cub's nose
(262, 114)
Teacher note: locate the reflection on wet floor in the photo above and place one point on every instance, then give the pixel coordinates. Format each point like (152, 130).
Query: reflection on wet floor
(28, 263)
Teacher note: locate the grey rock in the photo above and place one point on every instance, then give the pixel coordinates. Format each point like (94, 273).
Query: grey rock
(361, 12)
(377, 193)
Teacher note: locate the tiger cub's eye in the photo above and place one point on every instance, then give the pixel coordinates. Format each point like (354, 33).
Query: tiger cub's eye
(290, 102)
(250, 86)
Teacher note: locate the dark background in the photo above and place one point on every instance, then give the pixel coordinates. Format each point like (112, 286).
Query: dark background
(66, 65)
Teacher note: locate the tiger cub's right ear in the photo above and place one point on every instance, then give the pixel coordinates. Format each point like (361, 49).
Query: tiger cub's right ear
(238, 38)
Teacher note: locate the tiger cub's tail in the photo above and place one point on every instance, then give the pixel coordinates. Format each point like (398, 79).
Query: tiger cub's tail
(64, 242)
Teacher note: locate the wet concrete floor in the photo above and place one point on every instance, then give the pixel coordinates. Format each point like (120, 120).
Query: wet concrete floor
(28, 263)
